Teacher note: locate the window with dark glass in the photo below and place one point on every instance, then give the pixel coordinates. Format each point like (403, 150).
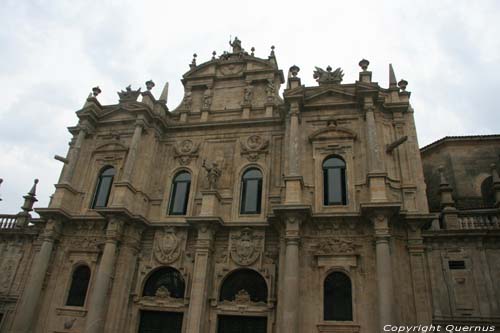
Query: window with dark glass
(334, 181)
(180, 193)
(103, 187)
(337, 298)
(165, 281)
(251, 192)
(244, 281)
(79, 285)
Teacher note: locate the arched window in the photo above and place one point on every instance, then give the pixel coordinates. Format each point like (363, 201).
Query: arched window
(487, 192)
(334, 181)
(244, 283)
(79, 285)
(180, 193)
(337, 297)
(166, 281)
(251, 192)
(103, 187)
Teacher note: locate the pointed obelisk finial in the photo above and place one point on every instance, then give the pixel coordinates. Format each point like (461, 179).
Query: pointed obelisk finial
(393, 83)
(164, 93)
(24, 216)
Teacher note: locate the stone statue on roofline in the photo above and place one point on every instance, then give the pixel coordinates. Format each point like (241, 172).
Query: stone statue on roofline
(236, 45)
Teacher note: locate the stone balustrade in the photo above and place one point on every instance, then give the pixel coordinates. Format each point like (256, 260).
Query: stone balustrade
(479, 219)
(7, 221)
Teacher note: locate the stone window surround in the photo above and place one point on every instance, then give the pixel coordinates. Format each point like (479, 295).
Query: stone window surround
(168, 193)
(237, 194)
(349, 274)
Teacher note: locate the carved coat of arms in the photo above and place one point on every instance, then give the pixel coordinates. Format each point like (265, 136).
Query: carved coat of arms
(253, 147)
(246, 247)
(167, 246)
(185, 151)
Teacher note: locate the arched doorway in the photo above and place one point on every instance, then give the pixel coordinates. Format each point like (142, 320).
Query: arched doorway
(244, 286)
(165, 284)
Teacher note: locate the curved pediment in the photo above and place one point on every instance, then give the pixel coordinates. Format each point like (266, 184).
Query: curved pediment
(332, 133)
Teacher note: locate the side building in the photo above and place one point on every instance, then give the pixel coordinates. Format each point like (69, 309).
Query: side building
(243, 210)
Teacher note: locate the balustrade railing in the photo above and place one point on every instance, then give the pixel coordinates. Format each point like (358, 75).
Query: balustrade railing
(479, 219)
(7, 221)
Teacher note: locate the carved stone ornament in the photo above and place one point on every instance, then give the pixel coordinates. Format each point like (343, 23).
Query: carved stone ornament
(328, 76)
(213, 173)
(129, 95)
(162, 292)
(242, 297)
(335, 246)
(167, 246)
(245, 247)
(253, 147)
(185, 151)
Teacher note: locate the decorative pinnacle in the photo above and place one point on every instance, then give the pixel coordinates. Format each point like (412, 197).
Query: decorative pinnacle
(96, 91)
(402, 84)
(213, 55)
(272, 51)
(253, 51)
(193, 62)
(364, 64)
(294, 70)
(150, 85)
(329, 68)
(32, 192)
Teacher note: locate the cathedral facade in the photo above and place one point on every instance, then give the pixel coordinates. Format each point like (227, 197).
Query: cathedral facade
(243, 210)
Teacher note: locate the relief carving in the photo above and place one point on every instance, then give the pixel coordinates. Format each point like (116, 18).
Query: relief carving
(246, 247)
(253, 147)
(185, 151)
(167, 247)
(335, 246)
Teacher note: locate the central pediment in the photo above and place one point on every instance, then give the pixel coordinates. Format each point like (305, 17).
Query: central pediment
(330, 95)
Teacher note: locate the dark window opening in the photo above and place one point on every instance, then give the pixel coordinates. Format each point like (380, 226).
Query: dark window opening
(456, 264)
(334, 182)
(337, 297)
(165, 282)
(160, 322)
(180, 193)
(241, 324)
(487, 192)
(251, 192)
(79, 285)
(103, 188)
(244, 281)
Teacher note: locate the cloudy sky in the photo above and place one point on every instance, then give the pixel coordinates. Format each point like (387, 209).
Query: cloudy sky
(53, 52)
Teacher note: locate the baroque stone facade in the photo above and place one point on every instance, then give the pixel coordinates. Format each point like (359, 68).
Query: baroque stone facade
(247, 210)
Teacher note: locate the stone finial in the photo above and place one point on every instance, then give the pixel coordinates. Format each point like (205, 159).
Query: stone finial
(24, 216)
(442, 176)
(392, 77)
(402, 84)
(193, 62)
(253, 51)
(328, 76)
(96, 91)
(129, 95)
(272, 51)
(364, 64)
(213, 55)
(294, 70)
(150, 85)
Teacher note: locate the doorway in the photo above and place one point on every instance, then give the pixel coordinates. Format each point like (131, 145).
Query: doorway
(160, 322)
(242, 324)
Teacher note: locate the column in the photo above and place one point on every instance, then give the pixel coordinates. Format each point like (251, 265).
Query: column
(97, 301)
(73, 156)
(293, 139)
(25, 312)
(375, 163)
(384, 271)
(290, 322)
(129, 163)
(201, 278)
(117, 317)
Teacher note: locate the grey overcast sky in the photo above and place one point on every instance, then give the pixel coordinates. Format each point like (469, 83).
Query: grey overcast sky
(53, 52)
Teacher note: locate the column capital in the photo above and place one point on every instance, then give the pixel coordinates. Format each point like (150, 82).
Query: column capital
(114, 229)
(52, 230)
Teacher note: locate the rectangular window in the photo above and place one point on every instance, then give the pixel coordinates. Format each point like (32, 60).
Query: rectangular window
(103, 192)
(181, 192)
(456, 264)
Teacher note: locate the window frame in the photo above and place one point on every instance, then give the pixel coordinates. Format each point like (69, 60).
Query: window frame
(157, 271)
(352, 310)
(326, 182)
(97, 189)
(243, 192)
(70, 286)
(173, 192)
